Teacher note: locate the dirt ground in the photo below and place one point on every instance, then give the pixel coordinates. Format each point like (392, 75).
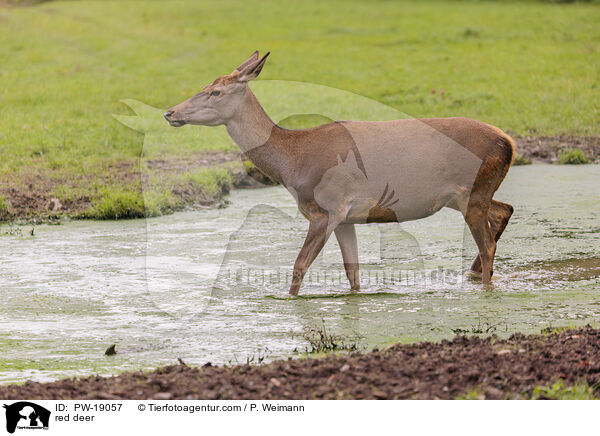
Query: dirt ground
(495, 368)
(545, 149)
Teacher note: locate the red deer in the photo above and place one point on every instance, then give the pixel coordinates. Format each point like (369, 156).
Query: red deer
(352, 172)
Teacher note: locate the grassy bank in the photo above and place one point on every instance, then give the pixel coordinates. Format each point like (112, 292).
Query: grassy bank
(530, 68)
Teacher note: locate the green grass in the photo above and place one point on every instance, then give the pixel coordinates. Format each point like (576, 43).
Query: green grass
(529, 68)
(521, 160)
(212, 180)
(5, 208)
(161, 203)
(117, 204)
(558, 391)
(158, 198)
(573, 156)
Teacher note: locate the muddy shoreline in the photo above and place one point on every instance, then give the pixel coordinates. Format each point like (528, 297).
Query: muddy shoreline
(546, 149)
(485, 368)
(31, 199)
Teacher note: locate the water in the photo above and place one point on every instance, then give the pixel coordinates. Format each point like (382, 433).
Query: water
(211, 285)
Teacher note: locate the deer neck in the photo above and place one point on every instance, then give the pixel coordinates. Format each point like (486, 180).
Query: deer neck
(260, 138)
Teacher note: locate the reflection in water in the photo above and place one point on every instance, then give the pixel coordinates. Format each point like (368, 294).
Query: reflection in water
(211, 285)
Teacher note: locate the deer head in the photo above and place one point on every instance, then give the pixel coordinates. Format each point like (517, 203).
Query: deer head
(218, 102)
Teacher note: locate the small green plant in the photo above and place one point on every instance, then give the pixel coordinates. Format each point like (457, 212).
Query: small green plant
(12, 230)
(116, 203)
(211, 180)
(257, 359)
(248, 165)
(551, 330)
(473, 394)
(161, 203)
(253, 359)
(322, 341)
(573, 156)
(558, 391)
(521, 160)
(6, 209)
(482, 328)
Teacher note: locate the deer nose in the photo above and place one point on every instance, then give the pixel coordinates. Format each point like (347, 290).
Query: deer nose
(168, 114)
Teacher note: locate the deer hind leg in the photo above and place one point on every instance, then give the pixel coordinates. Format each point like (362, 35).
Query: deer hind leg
(346, 237)
(318, 233)
(484, 216)
(498, 217)
(477, 220)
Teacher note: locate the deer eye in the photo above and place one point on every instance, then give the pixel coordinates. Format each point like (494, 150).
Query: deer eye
(215, 93)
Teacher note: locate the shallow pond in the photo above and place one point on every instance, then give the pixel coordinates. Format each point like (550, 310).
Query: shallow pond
(211, 285)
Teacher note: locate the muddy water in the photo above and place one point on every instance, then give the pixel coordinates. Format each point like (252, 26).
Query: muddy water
(211, 285)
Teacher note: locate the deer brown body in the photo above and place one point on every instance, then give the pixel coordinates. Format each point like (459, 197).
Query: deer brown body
(353, 172)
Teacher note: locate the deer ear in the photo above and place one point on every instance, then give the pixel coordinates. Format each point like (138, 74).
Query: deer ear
(251, 59)
(252, 70)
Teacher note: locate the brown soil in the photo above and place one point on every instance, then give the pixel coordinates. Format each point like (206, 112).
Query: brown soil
(31, 191)
(496, 368)
(547, 148)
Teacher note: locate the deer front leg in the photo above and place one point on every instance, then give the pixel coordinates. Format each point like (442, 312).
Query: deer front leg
(346, 237)
(318, 233)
